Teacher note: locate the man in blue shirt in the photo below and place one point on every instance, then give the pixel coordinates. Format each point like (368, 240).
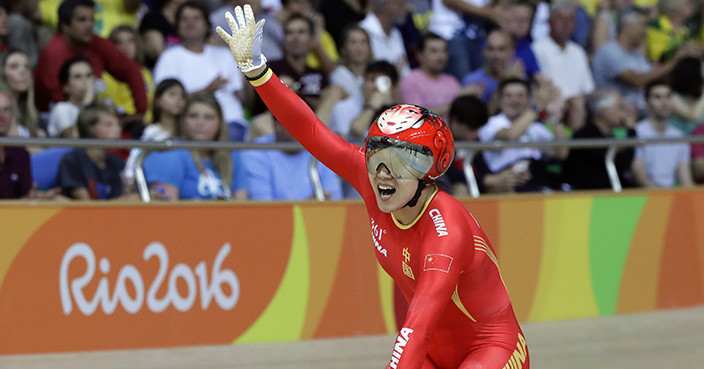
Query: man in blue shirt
(283, 175)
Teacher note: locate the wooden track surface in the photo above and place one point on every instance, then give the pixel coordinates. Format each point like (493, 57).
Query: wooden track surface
(663, 339)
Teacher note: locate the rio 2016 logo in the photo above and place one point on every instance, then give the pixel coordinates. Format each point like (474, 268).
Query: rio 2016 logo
(197, 281)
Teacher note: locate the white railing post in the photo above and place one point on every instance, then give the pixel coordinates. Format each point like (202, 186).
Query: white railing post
(315, 179)
(469, 176)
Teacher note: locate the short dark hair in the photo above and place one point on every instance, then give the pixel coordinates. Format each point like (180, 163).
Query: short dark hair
(65, 70)
(469, 111)
(427, 36)
(510, 81)
(89, 117)
(299, 16)
(68, 8)
(651, 85)
(385, 68)
(198, 5)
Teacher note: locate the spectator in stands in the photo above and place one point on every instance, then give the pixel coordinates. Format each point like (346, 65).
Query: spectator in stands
(463, 23)
(381, 24)
(622, 65)
(17, 75)
(76, 37)
(273, 36)
(322, 53)
(687, 83)
(565, 63)
(661, 165)
(352, 117)
(202, 67)
(340, 14)
(298, 39)
(428, 85)
(93, 173)
(126, 38)
(698, 157)
(355, 55)
(585, 169)
(199, 174)
(77, 79)
(467, 115)
(27, 32)
(15, 171)
(605, 22)
(669, 31)
(518, 122)
(112, 13)
(169, 101)
(517, 22)
(158, 29)
(499, 64)
(283, 175)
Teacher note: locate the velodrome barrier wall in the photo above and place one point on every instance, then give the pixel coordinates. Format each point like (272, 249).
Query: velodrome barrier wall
(96, 277)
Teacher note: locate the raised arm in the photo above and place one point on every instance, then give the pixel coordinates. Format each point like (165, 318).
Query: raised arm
(342, 157)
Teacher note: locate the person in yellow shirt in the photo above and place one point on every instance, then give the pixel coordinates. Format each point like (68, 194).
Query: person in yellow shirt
(108, 14)
(669, 31)
(118, 93)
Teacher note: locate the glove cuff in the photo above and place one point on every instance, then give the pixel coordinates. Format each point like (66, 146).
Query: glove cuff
(260, 75)
(248, 65)
(263, 78)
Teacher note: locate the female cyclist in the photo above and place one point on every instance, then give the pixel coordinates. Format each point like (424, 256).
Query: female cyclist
(459, 315)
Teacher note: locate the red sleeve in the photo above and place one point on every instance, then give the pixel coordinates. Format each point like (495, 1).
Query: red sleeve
(46, 75)
(123, 69)
(342, 157)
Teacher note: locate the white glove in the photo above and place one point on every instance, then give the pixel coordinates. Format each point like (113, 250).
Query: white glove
(246, 40)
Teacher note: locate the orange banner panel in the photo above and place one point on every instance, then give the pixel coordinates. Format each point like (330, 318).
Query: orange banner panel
(96, 278)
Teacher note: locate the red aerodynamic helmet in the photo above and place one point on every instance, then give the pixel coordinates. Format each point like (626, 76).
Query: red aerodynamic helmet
(412, 141)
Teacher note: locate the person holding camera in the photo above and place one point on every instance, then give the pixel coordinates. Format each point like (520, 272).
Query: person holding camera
(351, 116)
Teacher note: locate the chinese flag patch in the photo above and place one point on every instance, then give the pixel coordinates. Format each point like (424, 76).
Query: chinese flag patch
(437, 262)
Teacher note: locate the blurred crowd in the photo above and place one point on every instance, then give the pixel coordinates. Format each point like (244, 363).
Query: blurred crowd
(495, 70)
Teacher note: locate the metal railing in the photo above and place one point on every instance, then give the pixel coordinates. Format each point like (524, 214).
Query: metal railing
(471, 148)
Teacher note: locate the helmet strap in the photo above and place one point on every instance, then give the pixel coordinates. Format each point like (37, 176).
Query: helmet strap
(421, 185)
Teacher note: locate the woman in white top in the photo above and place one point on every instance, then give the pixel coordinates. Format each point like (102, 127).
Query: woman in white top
(77, 81)
(355, 55)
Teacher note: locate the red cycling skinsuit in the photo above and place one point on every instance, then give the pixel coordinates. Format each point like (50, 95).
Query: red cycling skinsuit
(460, 314)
